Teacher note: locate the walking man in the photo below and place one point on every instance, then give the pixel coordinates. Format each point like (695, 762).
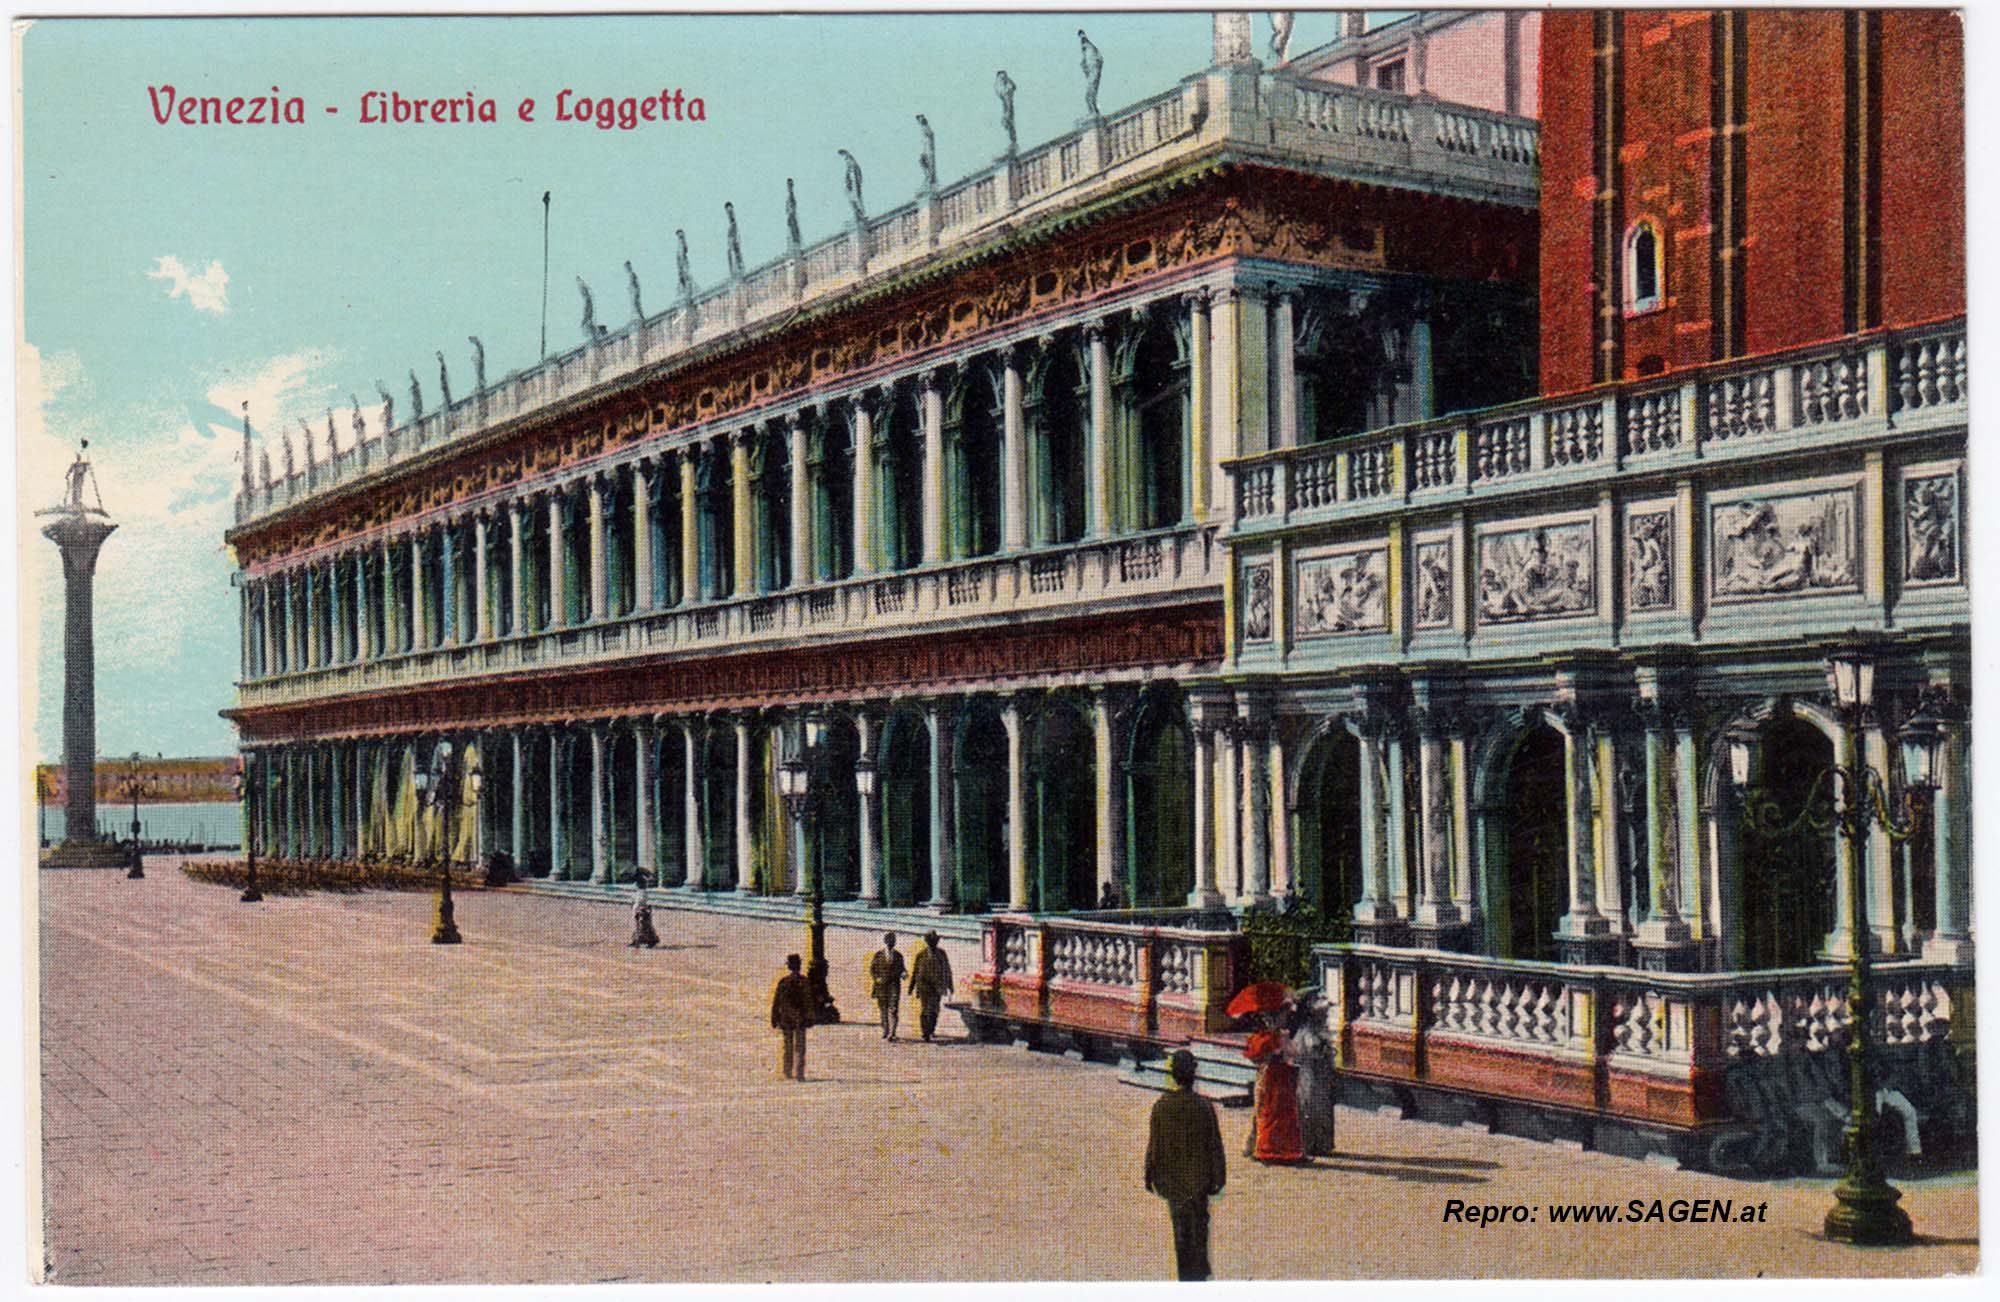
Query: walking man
(1184, 1164)
(791, 1013)
(930, 982)
(885, 983)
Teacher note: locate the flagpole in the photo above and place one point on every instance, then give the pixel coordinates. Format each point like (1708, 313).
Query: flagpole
(545, 273)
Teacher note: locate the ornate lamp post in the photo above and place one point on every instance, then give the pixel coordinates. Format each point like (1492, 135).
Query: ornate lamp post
(248, 789)
(438, 788)
(135, 787)
(797, 777)
(1856, 798)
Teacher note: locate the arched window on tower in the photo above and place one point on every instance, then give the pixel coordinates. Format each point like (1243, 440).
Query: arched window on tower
(1644, 267)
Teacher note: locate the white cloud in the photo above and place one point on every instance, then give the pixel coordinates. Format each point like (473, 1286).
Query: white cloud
(207, 292)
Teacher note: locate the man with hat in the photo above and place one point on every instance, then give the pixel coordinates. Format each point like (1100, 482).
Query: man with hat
(930, 982)
(1185, 1165)
(885, 983)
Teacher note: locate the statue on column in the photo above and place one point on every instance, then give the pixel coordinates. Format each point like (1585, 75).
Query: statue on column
(1003, 86)
(681, 271)
(632, 290)
(479, 361)
(388, 407)
(73, 481)
(735, 245)
(1282, 23)
(1232, 38)
(1093, 73)
(927, 156)
(853, 182)
(792, 240)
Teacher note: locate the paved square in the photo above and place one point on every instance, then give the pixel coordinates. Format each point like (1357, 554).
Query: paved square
(304, 1091)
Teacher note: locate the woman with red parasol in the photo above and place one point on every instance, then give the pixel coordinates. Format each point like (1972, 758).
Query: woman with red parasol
(1277, 1099)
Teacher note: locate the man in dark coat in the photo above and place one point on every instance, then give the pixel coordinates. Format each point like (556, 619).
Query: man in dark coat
(930, 982)
(885, 983)
(1185, 1165)
(791, 1014)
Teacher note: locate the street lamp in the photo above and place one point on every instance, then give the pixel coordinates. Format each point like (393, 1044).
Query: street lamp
(440, 788)
(1865, 1204)
(135, 787)
(796, 778)
(246, 789)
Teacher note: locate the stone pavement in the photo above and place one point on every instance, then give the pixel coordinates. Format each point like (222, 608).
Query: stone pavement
(306, 1091)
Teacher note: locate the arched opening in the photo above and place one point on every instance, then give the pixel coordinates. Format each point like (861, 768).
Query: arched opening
(669, 584)
(499, 577)
(621, 803)
(713, 518)
(619, 562)
(1156, 389)
(906, 810)
(670, 805)
(1643, 267)
(1531, 892)
(718, 807)
(1159, 802)
(974, 428)
(832, 468)
(1328, 844)
(575, 555)
(1785, 886)
(979, 800)
(1340, 368)
(837, 825)
(1059, 420)
(771, 464)
(1061, 809)
(575, 779)
(899, 484)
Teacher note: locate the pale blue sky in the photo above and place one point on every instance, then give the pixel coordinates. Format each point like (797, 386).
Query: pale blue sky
(350, 253)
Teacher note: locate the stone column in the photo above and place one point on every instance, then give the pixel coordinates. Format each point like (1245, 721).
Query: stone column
(691, 590)
(1583, 929)
(449, 629)
(1013, 457)
(364, 618)
(556, 846)
(746, 865)
(482, 604)
(1204, 895)
(1951, 825)
(517, 611)
(1663, 940)
(647, 843)
(1202, 399)
(599, 596)
(694, 849)
(864, 486)
(517, 810)
(938, 725)
(558, 585)
(1228, 811)
(1284, 347)
(358, 770)
(1255, 725)
(1098, 495)
(1225, 392)
(1436, 912)
(386, 570)
(420, 624)
(1284, 879)
(871, 821)
(600, 858)
(642, 538)
(287, 657)
(931, 400)
(1879, 854)
(743, 525)
(1107, 736)
(801, 504)
(1017, 844)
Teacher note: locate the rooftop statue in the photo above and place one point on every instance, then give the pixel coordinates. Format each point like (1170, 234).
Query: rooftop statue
(388, 407)
(792, 239)
(264, 462)
(416, 399)
(927, 157)
(1093, 73)
(291, 465)
(681, 266)
(592, 332)
(1281, 35)
(444, 384)
(632, 288)
(360, 425)
(332, 439)
(479, 361)
(735, 243)
(311, 444)
(854, 199)
(1003, 86)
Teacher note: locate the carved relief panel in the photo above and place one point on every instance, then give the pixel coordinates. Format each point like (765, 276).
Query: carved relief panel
(1649, 556)
(1784, 543)
(1342, 592)
(1538, 570)
(1933, 525)
(1434, 582)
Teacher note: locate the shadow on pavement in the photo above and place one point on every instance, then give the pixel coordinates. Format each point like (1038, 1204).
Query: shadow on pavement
(1484, 1164)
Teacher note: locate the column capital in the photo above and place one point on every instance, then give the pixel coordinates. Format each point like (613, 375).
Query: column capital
(1096, 330)
(1197, 299)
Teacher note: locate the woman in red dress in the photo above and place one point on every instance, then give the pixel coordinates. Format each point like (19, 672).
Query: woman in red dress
(1277, 1099)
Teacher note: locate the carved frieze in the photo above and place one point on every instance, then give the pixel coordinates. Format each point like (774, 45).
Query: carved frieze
(1539, 571)
(1784, 543)
(1342, 592)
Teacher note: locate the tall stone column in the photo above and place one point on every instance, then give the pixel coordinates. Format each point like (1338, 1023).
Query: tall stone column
(746, 861)
(517, 809)
(557, 849)
(691, 587)
(420, 624)
(1436, 913)
(600, 858)
(695, 850)
(1284, 347)
(864, 485)
(1950, 940)
(871, 821)
(943, 879)
(482, 601)
(1583, 931)
(1013, 457)
(1284, 880)
(642, 538)
(1098, 496)
(448, 576)
(1205, 895)
(392, 614)
(1108, 736)
(1663, 941)
(1228, 810)
(599, 603)
(1017, 844)
(1225, 412)
(79, 535)
(310, 575)
(288, 646)
(931, 402)
(1254, 724)
(558, 583)
(801, 503)
(644, 807)
(742, 523)
(364, 613)
(1202, 399)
